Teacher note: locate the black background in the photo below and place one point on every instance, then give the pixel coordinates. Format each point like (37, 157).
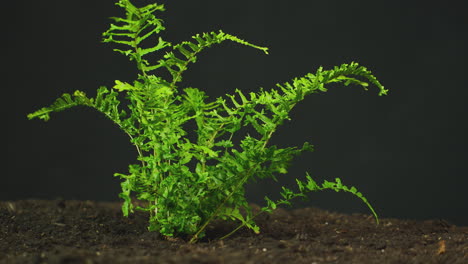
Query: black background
(407, 152)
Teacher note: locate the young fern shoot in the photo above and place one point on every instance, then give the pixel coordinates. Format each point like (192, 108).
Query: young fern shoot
(187, 179)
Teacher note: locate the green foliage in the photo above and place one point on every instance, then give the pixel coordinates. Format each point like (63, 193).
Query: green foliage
(189, 178)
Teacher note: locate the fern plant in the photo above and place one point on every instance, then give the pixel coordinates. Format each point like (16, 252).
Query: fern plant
(188, 178)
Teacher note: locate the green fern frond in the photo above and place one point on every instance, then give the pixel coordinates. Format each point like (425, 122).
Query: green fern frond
(304, 187)
(138, 25)
(176, 64)
(62, 103)
(105, 102)
(265, 110)
(337, 186)
(345, 73)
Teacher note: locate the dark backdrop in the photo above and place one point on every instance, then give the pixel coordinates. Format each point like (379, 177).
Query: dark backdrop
(407, 152)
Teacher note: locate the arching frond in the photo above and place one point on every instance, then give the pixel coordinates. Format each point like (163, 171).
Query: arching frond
(176, 64)
(105, 102)
(62, 103)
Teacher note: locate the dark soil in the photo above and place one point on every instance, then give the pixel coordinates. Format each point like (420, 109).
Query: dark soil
(90, 232)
